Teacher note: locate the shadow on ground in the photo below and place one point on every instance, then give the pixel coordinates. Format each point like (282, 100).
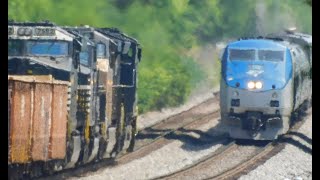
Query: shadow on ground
(296, 143)
(194, 140)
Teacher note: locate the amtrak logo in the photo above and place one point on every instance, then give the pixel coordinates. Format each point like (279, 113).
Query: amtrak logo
(255, 70)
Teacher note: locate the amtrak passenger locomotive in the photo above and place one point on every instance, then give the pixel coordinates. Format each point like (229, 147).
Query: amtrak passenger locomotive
(264, 83)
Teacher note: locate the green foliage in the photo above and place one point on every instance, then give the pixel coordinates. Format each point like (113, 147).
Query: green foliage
(167, 29)
(239, 18)
(164, 86)
(286, 13)
(309, 2)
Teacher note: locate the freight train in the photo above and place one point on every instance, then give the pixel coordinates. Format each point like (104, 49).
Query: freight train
(265, 83)
(72, 96)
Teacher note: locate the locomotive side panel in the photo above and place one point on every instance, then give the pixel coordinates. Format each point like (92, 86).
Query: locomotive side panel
(302, 78)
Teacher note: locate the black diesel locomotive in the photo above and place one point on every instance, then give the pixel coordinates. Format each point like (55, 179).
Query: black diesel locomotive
(71, 96)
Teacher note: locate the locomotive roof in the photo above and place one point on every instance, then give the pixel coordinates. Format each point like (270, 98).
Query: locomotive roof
(116, 34)
(79, 29)
(41, 23)
(280, 40)
(113, 33)
(301, 38)
(256, 44)
(78, 35)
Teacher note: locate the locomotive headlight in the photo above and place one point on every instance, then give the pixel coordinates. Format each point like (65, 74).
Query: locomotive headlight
(229, 78)
(258, 85)
(251, 84)
(27, 32)
(21, 31)
(24, 31)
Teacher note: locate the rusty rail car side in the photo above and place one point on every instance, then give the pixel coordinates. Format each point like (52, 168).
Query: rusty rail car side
(37, 120)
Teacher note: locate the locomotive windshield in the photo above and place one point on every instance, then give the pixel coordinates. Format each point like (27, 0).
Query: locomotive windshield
(43, 48)
(37, 48)
(101, 50)
(15, 47)
(84, 58)
(239, 54)
(270, 55)
(250, 55)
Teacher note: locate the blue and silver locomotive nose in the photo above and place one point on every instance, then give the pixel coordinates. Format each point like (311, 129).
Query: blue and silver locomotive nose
(257, 65)
(264, 81)
(255, 75)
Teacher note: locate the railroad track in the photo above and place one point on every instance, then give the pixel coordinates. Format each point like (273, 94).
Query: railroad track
(215, 163)
(160, 134)
(242, 157)
(266, 153)
(152, 138)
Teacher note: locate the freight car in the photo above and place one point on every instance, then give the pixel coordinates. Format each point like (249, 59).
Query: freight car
(73, 92)
(265, 82)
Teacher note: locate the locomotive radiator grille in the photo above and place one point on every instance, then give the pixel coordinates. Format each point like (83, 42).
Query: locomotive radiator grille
(84, 99)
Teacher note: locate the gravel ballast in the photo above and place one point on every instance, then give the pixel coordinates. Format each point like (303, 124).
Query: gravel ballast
(168, 159)
(294, 162)
(150, 118)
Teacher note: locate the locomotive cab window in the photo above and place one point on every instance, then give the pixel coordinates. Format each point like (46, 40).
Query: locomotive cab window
(130, 53)
(84, 58)
(47, 48)
(242, 54)
(37, 48)
(101, 50)
(86, 55)
(270, 55)
(15, 47)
